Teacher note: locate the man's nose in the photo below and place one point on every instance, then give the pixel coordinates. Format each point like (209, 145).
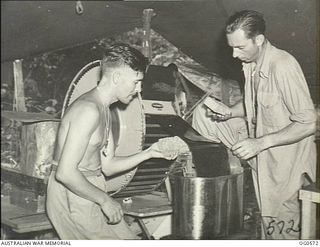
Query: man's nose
(138, 87)
(235, 53)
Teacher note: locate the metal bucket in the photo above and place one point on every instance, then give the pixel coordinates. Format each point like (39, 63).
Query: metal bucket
(206, 208)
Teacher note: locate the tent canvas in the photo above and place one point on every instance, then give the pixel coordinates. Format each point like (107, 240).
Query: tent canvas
(196, 27)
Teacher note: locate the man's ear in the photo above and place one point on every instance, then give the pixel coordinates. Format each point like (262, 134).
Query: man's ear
(259, 39)
(116, 77)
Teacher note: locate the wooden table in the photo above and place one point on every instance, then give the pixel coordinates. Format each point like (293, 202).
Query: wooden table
(309, 196)
(21, 220)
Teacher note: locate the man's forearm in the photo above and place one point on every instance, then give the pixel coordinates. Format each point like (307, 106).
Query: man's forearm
(119, 164)
(248, 148)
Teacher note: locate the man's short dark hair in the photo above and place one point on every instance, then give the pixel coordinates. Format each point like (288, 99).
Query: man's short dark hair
(250, 21)
(121, 54)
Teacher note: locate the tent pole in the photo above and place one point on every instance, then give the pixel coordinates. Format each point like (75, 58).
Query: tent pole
(19, 100)
(146, 40)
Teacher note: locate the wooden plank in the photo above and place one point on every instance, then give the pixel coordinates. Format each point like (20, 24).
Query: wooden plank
(28, 223)
(309, 195)
(28, 117)
(21, 220)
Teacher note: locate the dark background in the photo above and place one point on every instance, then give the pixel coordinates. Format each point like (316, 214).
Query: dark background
(29, 28)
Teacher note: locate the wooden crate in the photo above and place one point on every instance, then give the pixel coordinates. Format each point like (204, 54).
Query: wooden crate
(36, 141)
(37, 147)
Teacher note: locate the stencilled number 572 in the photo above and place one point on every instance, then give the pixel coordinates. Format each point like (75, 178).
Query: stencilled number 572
(281, 226)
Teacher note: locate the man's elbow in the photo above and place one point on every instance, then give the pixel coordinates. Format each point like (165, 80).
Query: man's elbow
(313, 128)
(107, 171)
(108, 167)
(310, 128)
(308, 120)
(61, 176)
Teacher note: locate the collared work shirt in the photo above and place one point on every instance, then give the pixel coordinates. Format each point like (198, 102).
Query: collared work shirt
(276, 95)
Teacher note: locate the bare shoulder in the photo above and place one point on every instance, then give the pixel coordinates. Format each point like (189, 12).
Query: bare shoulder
(83, 111)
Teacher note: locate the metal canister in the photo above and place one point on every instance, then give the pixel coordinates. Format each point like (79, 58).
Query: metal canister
(206, 208)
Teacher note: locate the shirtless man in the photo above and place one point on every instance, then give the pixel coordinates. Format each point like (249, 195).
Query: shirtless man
(77, 202)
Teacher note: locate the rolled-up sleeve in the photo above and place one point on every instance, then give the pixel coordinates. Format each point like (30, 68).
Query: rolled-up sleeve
(294, 90)
(307, 116)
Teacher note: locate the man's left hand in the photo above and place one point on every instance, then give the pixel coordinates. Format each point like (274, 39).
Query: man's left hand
(247, 148)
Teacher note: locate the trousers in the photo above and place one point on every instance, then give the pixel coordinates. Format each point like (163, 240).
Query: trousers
(75, 218)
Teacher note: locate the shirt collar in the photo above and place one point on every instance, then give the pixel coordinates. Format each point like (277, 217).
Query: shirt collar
(263, 64)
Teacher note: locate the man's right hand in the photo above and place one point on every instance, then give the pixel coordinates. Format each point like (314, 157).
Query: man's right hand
(112, 210)
(237, 110)
(217, 116)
